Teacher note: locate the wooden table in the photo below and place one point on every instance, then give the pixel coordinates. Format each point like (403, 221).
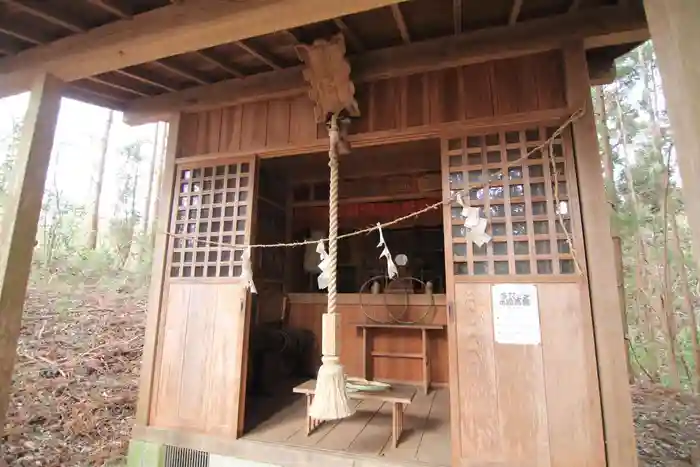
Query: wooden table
(399, 397)
(424, 355)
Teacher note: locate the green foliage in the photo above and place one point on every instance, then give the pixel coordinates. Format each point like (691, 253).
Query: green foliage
(648, 201)
(122, 260)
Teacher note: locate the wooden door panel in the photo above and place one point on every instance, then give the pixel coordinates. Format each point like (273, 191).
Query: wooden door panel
(574, 410)
(479, 436)
(201, 363)
(199, 387)
(225, 369)
(519, 405)
(527, 405)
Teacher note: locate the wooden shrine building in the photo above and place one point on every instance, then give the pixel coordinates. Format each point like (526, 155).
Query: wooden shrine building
(487, 98)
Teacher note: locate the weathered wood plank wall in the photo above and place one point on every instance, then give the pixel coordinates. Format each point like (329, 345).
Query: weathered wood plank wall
(393, 105)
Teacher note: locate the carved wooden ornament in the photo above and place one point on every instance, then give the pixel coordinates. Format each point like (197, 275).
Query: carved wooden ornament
(328, 73)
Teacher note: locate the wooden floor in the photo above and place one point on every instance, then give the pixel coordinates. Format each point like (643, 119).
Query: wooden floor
(425, 440)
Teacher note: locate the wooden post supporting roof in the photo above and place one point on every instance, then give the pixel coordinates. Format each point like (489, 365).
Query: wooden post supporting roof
(675, 30)
(158, 273)
(620, 444)
(19, 223)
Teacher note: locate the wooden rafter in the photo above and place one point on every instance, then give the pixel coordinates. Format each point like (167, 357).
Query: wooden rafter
(20, 36)
(110, 84)
(220, 64)
(145, 80)
(350, 36)
(457, 15)
(180, 72)
(599, 27)
(121, 11)
(102, 99)
(515, 11)
(262, 56)
(400, 23)
(53, 17)
(99, 80)
(165, 32)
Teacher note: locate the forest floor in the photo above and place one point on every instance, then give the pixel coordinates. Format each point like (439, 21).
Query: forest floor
(76, 380)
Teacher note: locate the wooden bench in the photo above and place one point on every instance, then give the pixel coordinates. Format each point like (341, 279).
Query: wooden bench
(399, 397)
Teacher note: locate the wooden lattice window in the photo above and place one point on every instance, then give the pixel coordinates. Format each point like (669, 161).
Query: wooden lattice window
(212, 204)
(529, 238)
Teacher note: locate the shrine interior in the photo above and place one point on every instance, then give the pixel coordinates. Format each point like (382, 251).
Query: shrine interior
(377, 184)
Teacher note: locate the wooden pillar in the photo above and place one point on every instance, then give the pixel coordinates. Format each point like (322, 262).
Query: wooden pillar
(155, 297)
(675, 31)
(19, 223)
(610, 345)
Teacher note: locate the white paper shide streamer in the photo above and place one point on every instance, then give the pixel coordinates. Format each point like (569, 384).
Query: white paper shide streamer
(391, 269)
(247, 272)
(323, 265)
(474, 225)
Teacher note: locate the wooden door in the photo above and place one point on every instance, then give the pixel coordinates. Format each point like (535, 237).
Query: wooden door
(519, 405)
(200, 360)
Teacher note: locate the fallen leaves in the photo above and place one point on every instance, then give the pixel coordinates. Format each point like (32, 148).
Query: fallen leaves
(76, 379)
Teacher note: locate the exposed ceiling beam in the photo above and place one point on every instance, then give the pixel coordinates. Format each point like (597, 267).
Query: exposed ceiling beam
(263, 57)
(95, 79)
(167, 31)
(575, 5)
(53, 17)
(219, 64)
(515, 11)
(457, 15)
(77, 92)
(180, 72)
(20, 36)
(400, 23)
(121, 11)
(145, 80)
(598, 27)
(350, 36)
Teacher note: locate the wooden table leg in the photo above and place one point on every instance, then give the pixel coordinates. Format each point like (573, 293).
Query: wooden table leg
(394, 423)
(366, 354)
(397, 422)
(426, 361)
(311, 423)
(309, 420)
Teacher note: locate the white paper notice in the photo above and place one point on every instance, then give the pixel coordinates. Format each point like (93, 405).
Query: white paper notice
(516, 314)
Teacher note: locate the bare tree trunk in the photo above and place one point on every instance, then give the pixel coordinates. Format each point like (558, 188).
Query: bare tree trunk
(612, 200)
(667, 311)
(641, 256)
(132, 217)
(650, 97)
(605, 141)
(688, 304)
(95, 217)
(146, 224)
(161, 167)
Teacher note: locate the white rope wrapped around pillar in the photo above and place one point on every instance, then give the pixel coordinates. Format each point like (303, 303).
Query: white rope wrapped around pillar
(330, 399)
